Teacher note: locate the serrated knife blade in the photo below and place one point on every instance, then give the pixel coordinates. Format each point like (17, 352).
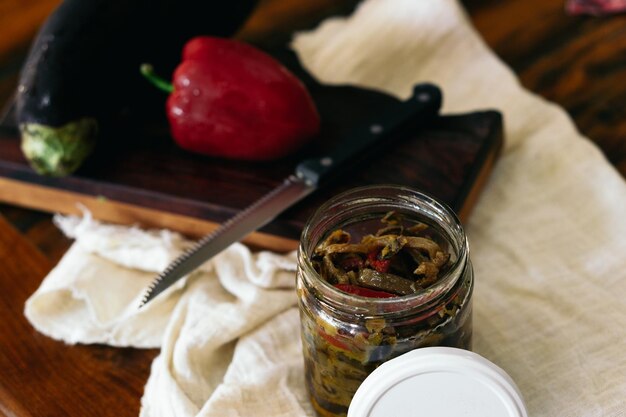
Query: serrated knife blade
(422, 106)
(257, 215)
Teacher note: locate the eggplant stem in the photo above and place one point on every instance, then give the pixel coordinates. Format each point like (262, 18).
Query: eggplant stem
(148, 72)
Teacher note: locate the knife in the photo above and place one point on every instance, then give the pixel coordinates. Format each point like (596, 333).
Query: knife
(309, 174)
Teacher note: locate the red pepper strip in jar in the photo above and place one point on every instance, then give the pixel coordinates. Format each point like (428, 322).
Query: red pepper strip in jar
(333, 341)
(381, 265)
(363, 292)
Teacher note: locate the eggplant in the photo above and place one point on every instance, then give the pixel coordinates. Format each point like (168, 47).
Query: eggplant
(82, 71)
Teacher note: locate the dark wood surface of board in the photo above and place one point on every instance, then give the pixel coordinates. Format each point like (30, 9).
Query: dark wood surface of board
(444, 159)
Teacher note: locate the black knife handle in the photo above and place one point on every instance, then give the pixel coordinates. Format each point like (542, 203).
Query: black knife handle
(422, 106)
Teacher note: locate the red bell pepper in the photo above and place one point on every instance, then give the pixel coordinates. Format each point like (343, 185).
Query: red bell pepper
(232, 100)
(363, 292)
(381, 265)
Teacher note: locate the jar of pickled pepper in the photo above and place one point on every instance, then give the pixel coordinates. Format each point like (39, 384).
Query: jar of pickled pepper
(382, 270)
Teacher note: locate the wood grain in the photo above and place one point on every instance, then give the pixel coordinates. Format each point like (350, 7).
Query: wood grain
(37, 228)
(43, 377)
(19, 20)
(34, 196)
(578, 62)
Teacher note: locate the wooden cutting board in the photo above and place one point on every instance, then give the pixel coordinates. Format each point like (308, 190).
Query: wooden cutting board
(137, 174)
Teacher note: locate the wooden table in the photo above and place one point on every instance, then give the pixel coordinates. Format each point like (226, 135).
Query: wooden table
(577, 62)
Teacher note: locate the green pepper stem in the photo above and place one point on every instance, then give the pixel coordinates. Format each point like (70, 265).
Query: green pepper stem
(148, 72)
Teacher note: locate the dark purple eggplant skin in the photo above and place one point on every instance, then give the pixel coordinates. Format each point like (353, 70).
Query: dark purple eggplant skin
(84, 66)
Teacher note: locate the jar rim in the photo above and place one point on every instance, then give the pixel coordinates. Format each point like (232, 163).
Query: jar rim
(444, 216)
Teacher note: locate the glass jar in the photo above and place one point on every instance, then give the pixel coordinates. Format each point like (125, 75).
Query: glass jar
(346, 336)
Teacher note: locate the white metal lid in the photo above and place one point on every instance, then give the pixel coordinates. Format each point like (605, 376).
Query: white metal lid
(438, 382)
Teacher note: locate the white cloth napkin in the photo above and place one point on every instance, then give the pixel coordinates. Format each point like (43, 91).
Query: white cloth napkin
(547, 242)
